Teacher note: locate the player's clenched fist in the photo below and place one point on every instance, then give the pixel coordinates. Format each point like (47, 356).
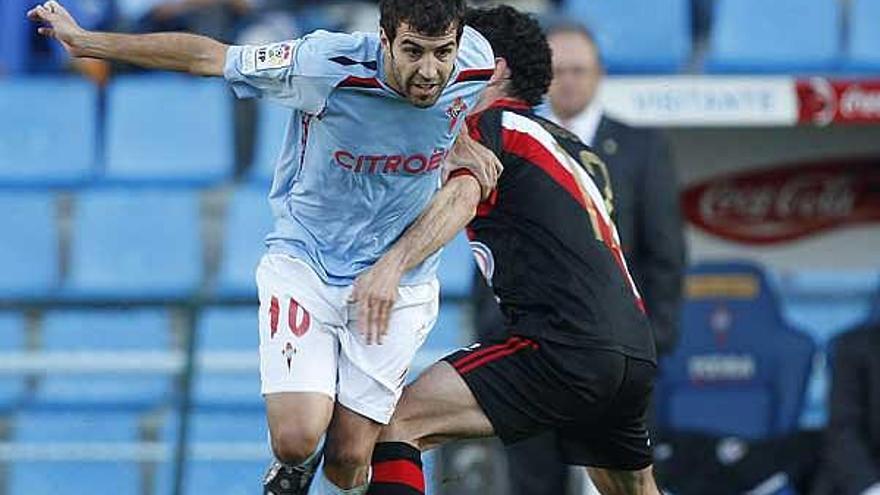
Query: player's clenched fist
(58, 24)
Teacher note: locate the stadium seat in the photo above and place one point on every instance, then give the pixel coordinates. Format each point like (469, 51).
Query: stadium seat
(456, 271)
(135, 244)
(105, 331)
(272, 120)
(823, 304)
(450, 332)
(228, 330)
(48, 131)
(874, 314)
(863, 50)
(738, 369)
(12, 339)
(781, 36)
(636, 36)
(95, 473)
(228, 454)
(248, 221)
(29, 259)
(168, 129)
(15, 36)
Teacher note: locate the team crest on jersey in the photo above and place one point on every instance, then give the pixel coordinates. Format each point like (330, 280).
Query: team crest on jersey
(455, 111)
(274, 56)
(485, 260)
(288, 352)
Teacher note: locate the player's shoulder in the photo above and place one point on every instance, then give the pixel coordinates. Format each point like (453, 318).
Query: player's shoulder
(475, 52)
(332, 53)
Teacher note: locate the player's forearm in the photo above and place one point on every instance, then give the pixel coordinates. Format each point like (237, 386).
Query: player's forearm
(167, 51)
(448, 212)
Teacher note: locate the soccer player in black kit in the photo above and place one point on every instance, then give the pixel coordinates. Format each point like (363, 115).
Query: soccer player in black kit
(578, 356)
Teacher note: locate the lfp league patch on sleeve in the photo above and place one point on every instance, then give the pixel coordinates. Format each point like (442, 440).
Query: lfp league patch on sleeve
(274, 56)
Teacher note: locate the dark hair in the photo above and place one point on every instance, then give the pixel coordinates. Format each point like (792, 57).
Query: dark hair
(427, 17)
(517, 38)
(562, 26)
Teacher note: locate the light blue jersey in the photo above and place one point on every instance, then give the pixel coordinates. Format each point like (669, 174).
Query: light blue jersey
(359, 162)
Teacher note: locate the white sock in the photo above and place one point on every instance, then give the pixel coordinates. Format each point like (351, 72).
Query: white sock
(322, 486)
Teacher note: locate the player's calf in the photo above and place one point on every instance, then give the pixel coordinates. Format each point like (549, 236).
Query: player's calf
(620, 482)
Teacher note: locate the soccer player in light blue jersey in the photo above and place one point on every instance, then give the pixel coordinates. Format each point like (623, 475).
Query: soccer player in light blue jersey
(373, 119)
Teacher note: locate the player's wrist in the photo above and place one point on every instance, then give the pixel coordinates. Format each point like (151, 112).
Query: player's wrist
(82, 43)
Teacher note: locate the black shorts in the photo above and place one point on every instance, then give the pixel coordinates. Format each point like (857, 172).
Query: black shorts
(596, 400)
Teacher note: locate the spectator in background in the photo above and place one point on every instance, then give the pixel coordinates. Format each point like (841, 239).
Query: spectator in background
(646, 211)
(214, 18)
(853, 439)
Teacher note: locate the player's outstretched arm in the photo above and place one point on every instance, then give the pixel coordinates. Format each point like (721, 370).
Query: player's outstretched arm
(448, 212)
(168, 51)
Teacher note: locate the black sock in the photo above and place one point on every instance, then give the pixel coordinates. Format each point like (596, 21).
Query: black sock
(397, 470)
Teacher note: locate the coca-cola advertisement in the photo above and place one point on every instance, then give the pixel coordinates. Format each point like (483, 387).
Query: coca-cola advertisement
(823, 102)
(788, 202)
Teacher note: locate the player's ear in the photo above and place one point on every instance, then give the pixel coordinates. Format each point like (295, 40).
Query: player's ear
(383, 38)
(502, 72)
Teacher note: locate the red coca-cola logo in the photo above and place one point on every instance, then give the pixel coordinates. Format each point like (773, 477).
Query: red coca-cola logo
(786, 203)
(823, 102)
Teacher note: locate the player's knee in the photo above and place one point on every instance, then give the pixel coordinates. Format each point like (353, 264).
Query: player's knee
(348, 455)
(403, 427)
(293, 444)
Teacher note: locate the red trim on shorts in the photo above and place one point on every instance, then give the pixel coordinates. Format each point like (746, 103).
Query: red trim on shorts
(476, 354)
(492, 353)
(402, 472)
(523, 344)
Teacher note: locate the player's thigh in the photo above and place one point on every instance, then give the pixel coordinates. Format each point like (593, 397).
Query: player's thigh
(371, 377)
(436, 408)
(623, 482)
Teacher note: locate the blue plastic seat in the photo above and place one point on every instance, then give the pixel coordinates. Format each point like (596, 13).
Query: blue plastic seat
(449, 333)
(105, 331)
(48, 131)
(248, 221)
(135, 243)
(738, 369)
(12, 339)
(456, 270)
(168, 130)
(29, 247)
(228, 330)
(272, 122)
(863, 50)
(781, 36)
(69, 476)
(15, 36)
(638, 36)
(228, 454)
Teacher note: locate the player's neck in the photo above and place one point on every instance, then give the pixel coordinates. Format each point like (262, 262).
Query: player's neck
(490, 95)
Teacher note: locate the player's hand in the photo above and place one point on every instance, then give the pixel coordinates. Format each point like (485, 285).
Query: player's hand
(375, 292)
(468, 154)
(57, 23)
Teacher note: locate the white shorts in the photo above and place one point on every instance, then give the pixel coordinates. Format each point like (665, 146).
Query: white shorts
(310, 339)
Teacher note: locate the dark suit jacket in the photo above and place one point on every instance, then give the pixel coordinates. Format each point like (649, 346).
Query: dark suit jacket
(853, 441)
(648, 217)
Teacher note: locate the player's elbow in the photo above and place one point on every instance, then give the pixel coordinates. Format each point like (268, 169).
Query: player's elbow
(210, 61)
